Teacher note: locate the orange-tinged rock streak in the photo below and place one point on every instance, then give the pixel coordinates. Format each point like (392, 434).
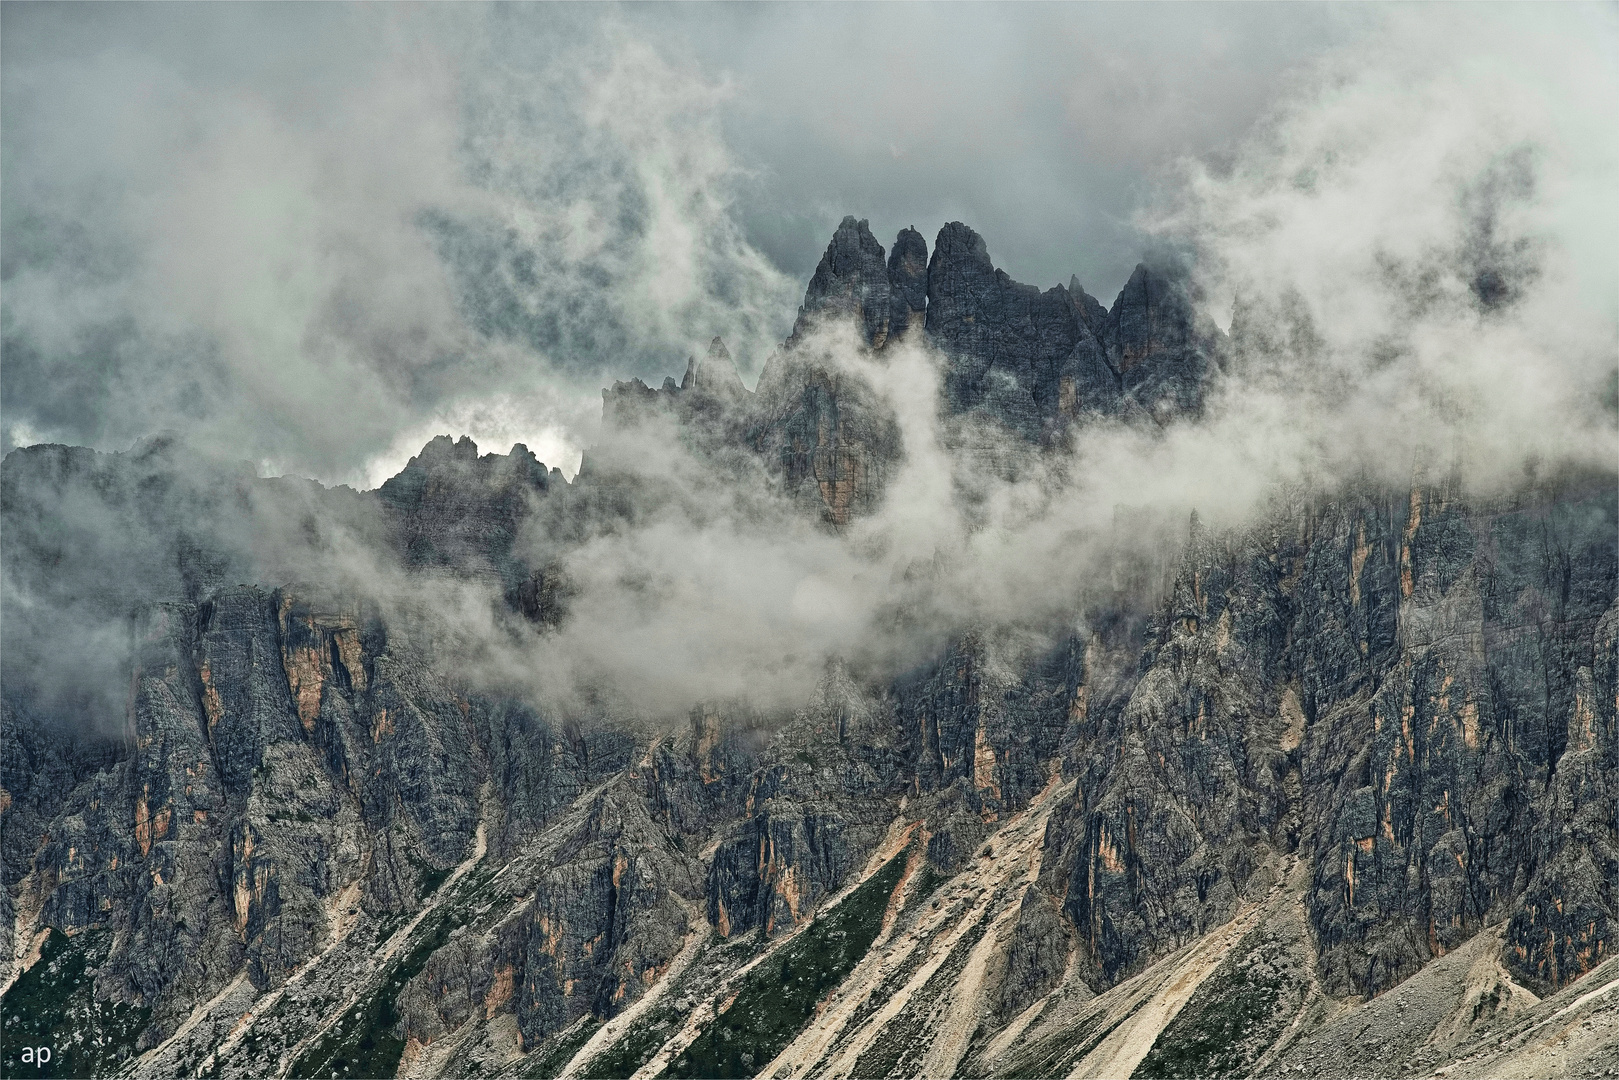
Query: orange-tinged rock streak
(211, 703)
(244, 886)
(143, 824)
(841, 483)
(306, 676)
(1357, 563)
(1407, 585)
(1079, 708)
(309, 666)
(985, 765)
(781, 879)
(1582, 734)
(349, 651)
(708, 737)
(1468, 719)
(1108, 852)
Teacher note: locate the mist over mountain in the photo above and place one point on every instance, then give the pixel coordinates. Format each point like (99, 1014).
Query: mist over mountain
(1181, 672)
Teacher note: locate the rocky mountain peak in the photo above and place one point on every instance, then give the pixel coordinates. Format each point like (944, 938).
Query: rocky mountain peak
(850, 280)
(442, 449)
(1088, 308)
(849, 253)
(1348, 768)
(1156, 343)
(908, 283)
(1152, 313)
(958, 242)
(715, 374)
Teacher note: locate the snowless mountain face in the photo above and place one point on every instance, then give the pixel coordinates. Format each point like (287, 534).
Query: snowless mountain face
(883, 720)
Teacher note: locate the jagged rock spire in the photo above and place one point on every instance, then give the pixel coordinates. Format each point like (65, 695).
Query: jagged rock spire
(853, 280)
(908, 283)
(1155, 343)
(1089, 309)
(716, 374)
(850, 280)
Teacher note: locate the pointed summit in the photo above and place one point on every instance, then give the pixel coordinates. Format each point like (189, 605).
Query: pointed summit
(717, 373)
(1155, 343)
(851, 279)
(908, 283)
(1151, 315)
(1021, 357)
(1089, 308)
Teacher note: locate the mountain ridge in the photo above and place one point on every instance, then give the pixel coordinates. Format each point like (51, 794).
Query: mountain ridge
(1311, 756)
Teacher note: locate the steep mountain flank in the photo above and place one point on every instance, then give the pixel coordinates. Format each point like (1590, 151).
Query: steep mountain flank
(1334, 790)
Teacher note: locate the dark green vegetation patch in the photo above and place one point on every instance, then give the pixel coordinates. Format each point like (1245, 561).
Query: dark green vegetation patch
(1229, 1019)
(548, 1059)
(779, 996)
(366, 1040)
(53, 1005)
(627, 1055)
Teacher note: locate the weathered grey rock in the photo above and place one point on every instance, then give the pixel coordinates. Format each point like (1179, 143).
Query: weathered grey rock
(454, 510)
(817, 802)
(1009, 346)
(1163, 353)
(1036, 957)
(716, 376)
(306, 812)
(825, 433)
(1089, 309)
(908, 285)
(852, 281)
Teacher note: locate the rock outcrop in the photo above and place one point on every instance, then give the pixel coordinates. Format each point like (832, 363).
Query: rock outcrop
(1358, 753)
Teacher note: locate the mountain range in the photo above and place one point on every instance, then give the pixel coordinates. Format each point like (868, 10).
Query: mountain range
(1330, 790)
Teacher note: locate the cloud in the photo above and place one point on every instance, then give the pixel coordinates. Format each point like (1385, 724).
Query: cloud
(223, 221)
(472, 218)
(1415, 240)
(1406, 247)
(1412, 252)
(1041, 126)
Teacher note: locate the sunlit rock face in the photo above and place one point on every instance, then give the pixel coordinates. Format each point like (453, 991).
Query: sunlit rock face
(1357, 753)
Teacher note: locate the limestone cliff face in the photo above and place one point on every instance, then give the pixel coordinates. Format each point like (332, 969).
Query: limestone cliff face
(1011, 348)
(1360, 744)
(852, 281)
(827, 436)
(1156, 344)
(1037, 361)
(452, 509)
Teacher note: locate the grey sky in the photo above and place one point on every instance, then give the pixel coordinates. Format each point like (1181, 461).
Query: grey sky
(315, 235)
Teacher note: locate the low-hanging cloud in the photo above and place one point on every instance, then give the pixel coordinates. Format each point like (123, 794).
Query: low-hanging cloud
(1408, 253)
(483, 216)
(1419, 251)
(220, 221)
(1402, 254)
